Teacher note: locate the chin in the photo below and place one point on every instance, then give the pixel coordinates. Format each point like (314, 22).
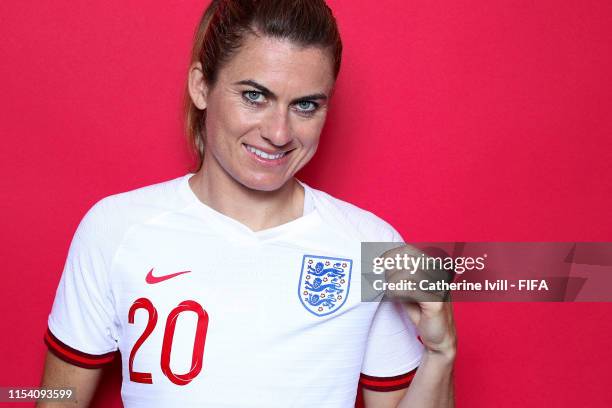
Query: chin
(263, 183)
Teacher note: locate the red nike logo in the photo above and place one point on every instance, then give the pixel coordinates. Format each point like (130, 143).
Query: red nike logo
(156, 279)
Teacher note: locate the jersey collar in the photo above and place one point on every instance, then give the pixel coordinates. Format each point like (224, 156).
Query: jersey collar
(236, 229)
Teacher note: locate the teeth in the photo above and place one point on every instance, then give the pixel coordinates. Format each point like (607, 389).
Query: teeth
(264, 155)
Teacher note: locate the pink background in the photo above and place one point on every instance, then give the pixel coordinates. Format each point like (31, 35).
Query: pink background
(472, 120)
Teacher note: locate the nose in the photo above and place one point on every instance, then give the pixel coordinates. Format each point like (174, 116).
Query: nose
(276, 128)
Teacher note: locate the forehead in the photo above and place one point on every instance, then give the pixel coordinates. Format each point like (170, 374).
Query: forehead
(280, 65)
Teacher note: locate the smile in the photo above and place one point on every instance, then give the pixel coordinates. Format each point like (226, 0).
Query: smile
(264, 155)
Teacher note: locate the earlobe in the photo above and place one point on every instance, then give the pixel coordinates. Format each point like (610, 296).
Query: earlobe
(198, 89)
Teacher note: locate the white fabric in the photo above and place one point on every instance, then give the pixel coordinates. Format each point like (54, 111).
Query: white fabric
(263, 348)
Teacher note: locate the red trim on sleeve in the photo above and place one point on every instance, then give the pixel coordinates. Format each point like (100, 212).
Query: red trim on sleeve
(386, 383)
(74, 356)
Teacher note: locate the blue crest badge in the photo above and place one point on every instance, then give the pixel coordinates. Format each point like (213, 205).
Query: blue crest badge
(324, 283)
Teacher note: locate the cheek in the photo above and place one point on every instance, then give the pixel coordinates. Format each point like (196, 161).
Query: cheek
(310, 131)
(228, 121)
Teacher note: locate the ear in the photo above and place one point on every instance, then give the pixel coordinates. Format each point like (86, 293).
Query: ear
(198, 89)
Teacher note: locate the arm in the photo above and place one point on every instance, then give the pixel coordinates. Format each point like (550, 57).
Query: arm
(58, 374)
(81, 332)
(432, 385)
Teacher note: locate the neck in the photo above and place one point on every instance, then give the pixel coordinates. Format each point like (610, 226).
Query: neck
(256, 209)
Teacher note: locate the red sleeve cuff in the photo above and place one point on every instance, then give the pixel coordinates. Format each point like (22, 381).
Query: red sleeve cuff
(74, 356)
(386, 383)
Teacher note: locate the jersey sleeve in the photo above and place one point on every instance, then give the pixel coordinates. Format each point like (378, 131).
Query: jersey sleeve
(81, 327)
(393, 350)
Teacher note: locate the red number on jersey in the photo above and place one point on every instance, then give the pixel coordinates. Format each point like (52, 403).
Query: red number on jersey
(198, 346)
(142, 303)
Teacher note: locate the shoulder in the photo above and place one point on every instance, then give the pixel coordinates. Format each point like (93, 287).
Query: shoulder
(111, 216)
(353, 220)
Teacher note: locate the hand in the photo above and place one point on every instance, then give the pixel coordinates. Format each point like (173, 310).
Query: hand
(436, 326)
(430, 311)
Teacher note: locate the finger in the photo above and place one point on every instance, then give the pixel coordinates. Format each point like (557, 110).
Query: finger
(410, 278)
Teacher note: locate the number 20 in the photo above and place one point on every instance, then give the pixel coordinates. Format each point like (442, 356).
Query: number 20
(198, 346)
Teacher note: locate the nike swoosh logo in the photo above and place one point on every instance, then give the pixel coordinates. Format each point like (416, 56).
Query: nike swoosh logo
(156, 279)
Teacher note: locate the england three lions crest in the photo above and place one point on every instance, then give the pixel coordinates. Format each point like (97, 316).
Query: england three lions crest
(324, 283)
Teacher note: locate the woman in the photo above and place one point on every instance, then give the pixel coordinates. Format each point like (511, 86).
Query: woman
(194, 279)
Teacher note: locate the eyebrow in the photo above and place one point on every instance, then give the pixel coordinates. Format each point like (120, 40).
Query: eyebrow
(269, 94)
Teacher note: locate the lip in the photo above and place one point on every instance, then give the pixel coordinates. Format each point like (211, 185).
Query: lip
(267, 162)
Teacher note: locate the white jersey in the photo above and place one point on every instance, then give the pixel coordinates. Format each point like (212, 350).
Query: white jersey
(206, 312)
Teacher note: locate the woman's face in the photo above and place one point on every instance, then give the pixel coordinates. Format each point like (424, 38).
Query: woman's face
(265, 112)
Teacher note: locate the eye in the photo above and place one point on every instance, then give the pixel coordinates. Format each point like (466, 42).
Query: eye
(306, 106)
(253, 96)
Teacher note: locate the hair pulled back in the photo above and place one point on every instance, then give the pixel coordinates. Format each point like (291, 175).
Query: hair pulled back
(223, 27)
